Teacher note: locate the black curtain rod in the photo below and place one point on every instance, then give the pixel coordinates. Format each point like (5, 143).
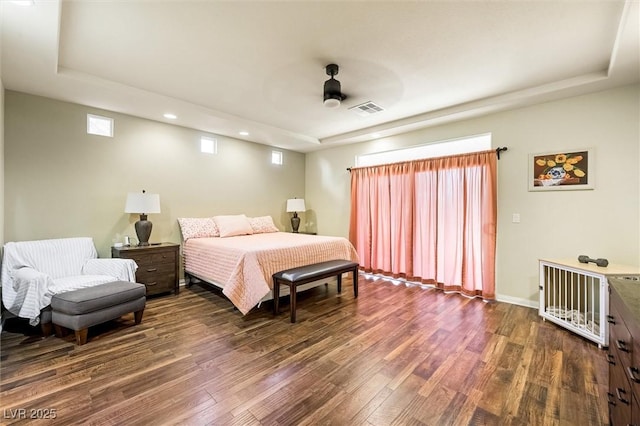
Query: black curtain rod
(498, 151)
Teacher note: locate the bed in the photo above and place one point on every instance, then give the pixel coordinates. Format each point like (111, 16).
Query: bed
(243, 265)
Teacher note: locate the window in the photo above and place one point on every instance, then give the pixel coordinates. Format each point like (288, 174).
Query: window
(276, 157)
(208, 145)
(101, 126)
(438, 149)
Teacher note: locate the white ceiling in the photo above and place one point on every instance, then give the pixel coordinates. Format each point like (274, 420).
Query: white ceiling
(258, 66)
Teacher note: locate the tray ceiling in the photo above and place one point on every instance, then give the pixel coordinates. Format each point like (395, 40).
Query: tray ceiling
(259, 67)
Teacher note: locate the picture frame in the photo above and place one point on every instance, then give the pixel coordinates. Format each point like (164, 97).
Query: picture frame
(562, 170)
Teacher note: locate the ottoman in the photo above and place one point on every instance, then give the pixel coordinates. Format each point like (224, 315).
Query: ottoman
(85, 307)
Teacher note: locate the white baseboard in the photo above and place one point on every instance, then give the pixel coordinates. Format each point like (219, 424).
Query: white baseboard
(518, 301)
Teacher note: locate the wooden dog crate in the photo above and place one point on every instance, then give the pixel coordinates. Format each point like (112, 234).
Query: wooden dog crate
(575, 295)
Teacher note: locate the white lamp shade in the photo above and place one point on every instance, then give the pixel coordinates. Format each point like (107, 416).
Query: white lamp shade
(142, 203)
(295, 205)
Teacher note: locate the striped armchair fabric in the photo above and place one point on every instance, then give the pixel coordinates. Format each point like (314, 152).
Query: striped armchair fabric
(33, 271)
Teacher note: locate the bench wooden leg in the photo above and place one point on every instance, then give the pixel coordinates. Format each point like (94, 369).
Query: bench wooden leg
(276, 297)
(138, 316)
(355, 282)
(292, 296)
(81, 336)
(339, 283)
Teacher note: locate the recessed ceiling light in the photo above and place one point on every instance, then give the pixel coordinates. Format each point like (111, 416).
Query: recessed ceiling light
(170, 116)
(244, 133)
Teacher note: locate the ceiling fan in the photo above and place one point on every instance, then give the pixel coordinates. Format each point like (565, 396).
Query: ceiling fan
(332, 91)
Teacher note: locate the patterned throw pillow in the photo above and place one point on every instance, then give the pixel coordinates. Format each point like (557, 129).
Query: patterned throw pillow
(262, 224)
(198, 227)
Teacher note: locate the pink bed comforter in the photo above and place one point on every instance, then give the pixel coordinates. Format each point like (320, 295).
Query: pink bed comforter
(243, 265)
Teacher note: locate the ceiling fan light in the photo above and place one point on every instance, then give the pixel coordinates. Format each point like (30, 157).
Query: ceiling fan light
(332, 90)
(332, 103)
(332, 95)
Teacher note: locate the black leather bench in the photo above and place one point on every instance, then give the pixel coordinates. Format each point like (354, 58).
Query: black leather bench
(305, 274)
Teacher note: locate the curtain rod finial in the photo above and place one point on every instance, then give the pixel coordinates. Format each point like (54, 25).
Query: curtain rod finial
(499, 150)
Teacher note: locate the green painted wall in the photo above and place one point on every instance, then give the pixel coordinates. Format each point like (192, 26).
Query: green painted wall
(62, 182)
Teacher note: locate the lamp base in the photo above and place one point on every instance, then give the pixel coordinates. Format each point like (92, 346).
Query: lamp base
(143, 230)
(295, 222)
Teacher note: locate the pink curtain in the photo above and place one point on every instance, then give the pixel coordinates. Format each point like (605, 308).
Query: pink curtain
(432, 221)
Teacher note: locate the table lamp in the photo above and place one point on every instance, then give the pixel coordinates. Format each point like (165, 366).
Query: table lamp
(295, 205)
(142, 203)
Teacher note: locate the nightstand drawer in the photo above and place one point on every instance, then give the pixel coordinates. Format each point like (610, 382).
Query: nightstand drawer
(143, 259)
(154, 269)
(164, 257)
(158, 283)
(140, 259)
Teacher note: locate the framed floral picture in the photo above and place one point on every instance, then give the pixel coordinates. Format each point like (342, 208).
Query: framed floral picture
(561, 170)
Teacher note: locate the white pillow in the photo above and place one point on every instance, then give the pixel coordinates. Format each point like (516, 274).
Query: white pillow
(262, 224)
(232, 225)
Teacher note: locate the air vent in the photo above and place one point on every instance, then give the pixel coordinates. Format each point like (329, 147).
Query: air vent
(366, 109)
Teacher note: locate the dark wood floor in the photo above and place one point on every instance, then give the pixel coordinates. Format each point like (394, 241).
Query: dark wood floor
(396, 355)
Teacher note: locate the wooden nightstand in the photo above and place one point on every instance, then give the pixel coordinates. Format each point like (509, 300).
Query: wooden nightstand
(157, 266)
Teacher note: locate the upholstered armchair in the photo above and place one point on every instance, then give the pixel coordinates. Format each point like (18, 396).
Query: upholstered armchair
(33, 271)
